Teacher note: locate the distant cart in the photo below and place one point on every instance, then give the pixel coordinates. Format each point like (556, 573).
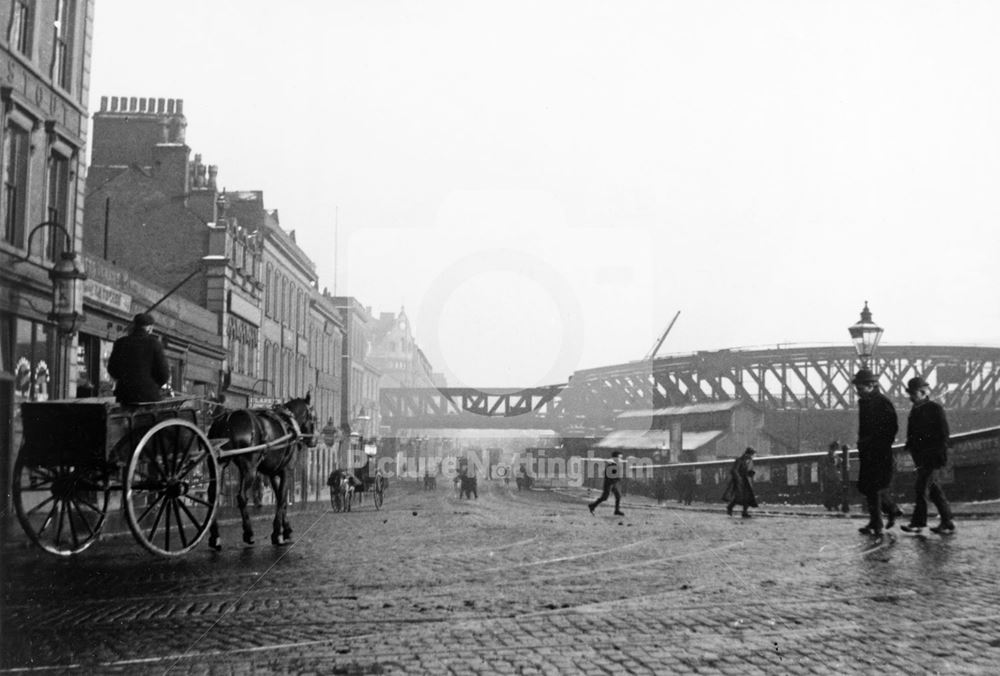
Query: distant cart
(76, 453)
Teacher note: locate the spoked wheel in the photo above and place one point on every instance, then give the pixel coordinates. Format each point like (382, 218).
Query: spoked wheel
(378, 492)
(60, 507)
(171, 487)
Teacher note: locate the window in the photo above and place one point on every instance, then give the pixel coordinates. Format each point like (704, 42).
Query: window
(15, 180)
(62, 35)
(268, 292)
(19, 30)
(793, 474)
(33, 352)
(242, 346)
(58, 203)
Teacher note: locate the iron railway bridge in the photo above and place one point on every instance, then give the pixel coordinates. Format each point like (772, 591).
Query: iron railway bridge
(810, 380)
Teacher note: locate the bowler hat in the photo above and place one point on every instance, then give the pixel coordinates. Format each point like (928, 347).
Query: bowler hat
(864, 376)
(914, 384)
(143, 319)
(750, 449)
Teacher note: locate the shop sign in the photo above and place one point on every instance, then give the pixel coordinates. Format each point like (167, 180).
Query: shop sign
(106, 295)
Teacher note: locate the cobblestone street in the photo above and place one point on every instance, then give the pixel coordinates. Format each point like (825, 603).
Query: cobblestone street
(516, 583)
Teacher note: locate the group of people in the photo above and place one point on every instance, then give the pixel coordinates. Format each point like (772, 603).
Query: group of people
(926, 441)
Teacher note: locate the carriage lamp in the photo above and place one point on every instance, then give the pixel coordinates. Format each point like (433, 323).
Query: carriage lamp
(865, 335)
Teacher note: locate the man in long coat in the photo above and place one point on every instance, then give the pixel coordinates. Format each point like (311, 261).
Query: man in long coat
(138, 364)
(927, 441)
(739, 490)
(877, 427)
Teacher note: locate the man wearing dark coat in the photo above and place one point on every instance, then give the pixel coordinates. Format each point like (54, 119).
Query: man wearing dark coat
(138, 364)
(927, 441)
(612, 477)
(739, 490)
(877, 427)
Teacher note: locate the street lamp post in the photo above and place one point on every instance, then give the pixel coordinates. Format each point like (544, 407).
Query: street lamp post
(865, 334)
(67, 276)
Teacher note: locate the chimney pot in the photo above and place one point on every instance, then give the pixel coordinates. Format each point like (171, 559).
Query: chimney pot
(142, 105)
(159, 105)
(170, 106)
(114, 103)
(133, 105)
(104, 103)
(180, 106)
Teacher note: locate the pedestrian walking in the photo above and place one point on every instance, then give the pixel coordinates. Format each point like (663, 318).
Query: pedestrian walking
(470, 483)
(830, 476)
(523, 479)
(138, 363)
(612, 477)
(685, 484)
(739, 490)
(877, 427)
(927, 441)
(334, 481)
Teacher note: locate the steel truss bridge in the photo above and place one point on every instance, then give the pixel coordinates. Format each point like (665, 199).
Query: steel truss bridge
(782, 379)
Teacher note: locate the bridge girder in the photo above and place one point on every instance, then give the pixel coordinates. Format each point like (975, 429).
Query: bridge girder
(783, 379)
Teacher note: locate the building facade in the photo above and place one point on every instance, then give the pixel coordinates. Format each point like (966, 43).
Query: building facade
(359, 399)
(396, 355)
(44, 90)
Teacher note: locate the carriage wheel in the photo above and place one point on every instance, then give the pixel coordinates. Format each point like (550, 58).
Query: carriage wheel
(171, 488)
(60, 507)
(378, 492)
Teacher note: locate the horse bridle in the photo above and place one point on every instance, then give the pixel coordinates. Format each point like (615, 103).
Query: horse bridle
(286, 413)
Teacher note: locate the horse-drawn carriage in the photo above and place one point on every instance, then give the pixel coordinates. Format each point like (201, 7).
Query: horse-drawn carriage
(77, 453)
(345, 487)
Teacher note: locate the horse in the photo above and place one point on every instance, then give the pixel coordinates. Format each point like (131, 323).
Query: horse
(336, 481)
(342, 486)
(281, 431)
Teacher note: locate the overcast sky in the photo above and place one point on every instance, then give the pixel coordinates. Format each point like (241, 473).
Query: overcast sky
(543, 185)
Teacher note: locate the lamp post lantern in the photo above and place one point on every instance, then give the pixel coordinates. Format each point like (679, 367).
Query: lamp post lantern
(67, 276)
(865, 335)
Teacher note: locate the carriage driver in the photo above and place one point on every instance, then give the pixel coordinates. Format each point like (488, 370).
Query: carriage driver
(138, 363)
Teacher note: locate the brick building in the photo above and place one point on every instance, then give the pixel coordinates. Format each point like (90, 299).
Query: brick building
(147, 194)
